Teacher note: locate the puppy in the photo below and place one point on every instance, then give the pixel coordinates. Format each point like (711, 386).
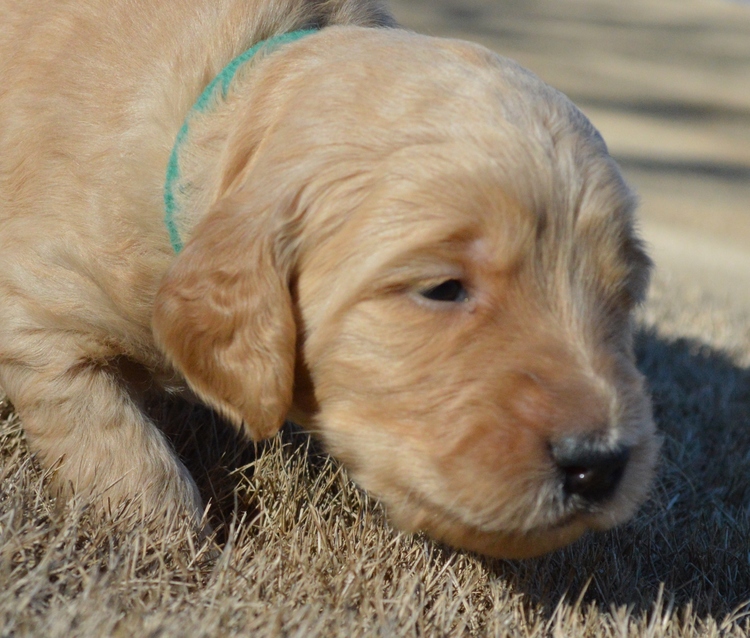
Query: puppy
(409, 245)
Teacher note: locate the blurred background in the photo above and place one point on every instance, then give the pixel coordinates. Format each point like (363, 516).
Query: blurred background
(667, 83)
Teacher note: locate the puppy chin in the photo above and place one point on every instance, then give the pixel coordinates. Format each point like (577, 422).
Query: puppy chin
(445, 527)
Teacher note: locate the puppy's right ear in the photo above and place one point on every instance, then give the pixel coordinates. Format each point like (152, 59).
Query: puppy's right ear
(223, 315)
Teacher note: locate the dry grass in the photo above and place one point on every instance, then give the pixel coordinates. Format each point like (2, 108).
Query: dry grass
(300, 551)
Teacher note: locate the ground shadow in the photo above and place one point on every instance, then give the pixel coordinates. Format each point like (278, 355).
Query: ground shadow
(694, 534)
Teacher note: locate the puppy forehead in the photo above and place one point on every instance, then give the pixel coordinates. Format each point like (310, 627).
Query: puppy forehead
(390, 88)
(495, 201)
(452, 112)
(483, 161)
(412, 66)
(438, 205)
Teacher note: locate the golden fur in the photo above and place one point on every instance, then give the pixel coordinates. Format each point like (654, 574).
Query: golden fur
(342, 176)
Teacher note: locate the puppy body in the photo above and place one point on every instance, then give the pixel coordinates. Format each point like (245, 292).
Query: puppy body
(93, 96)
(339, 178)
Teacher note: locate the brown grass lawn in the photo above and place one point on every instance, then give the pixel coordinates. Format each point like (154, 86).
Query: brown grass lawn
(300, 551)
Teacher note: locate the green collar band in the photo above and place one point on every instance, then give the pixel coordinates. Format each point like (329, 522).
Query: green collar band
(221, 82)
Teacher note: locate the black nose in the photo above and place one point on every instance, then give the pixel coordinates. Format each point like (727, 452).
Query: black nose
(591, 469)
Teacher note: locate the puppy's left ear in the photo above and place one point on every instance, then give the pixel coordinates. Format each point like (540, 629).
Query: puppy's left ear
(223, 315)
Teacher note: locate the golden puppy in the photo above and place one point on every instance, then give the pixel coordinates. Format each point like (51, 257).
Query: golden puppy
(410, 245)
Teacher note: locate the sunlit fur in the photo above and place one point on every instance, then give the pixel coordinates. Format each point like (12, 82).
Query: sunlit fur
(342, 175)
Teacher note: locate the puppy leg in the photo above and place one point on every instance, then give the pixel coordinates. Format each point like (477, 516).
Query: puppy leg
(79, 416)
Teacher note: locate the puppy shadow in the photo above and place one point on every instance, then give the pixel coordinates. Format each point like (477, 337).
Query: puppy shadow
(223, 461)
(693, 535)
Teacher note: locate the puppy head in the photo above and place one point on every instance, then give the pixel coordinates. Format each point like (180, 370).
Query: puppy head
(431, 263)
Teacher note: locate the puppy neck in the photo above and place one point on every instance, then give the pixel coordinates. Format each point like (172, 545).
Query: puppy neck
(178, 186)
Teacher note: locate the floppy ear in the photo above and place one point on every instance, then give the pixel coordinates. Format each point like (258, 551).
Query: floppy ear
(223, 315)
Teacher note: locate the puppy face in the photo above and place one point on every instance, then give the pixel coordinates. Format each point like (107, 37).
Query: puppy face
(451, 293)
(463, 335)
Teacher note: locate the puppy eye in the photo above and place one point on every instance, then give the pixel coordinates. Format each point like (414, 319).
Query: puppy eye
(451, 290)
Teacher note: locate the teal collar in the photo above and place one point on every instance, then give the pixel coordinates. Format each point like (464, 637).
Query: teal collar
(221, 82)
